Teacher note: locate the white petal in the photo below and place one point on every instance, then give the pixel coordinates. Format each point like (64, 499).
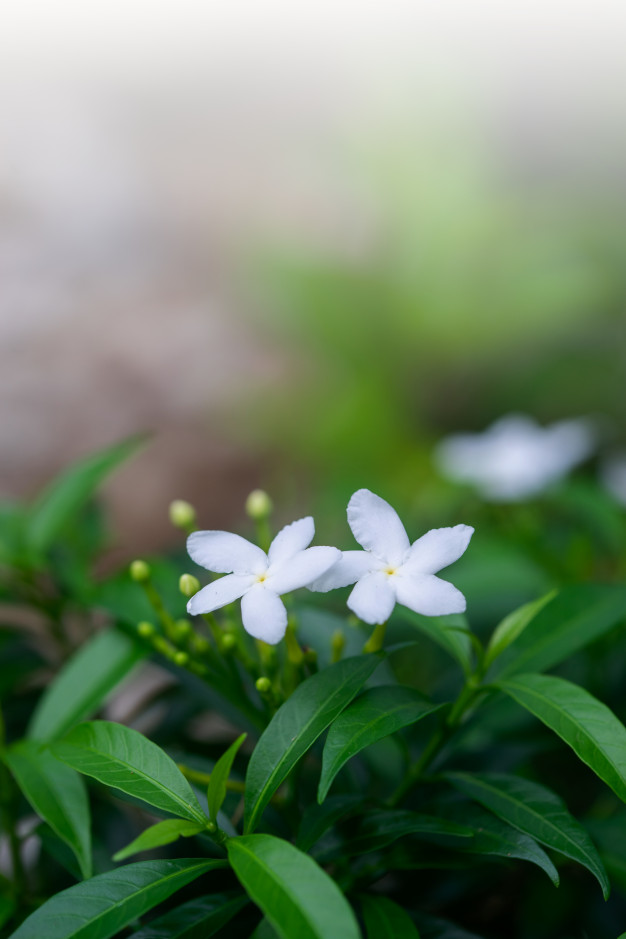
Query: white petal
(351, 566)
(291, 539)
(302, 569)
(225, 553)
(376, 526)
(373, 598)
(437, 548)
(429, 595)
(219, 593)
(264, 615)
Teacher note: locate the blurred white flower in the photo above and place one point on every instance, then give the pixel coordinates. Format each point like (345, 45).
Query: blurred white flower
(613, 475)
(515, 458)
(258, 578)
(392, 570)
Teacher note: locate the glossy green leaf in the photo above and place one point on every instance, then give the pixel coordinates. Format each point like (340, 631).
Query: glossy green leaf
(318, 818)
(380, 829)
(165, 832)
(296, 726)
(298, 898)
(578, 615)
(492, 836)
(57, 794)
(537, 812)
(84, 682)
(451, 633)
(197, 919)
(69, 491)
(583, 722)
(375, 714)
(432, 927)
(219, 777)
(124, 759)
(99, 908)
(384, 919)
(513, 626)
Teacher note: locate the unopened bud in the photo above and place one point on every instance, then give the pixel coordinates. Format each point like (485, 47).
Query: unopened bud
(310, 656)
(140, 571)
(183, 628)
(258, 505)
(337, 645)
(200, 644)
(228, 642)
(188, 585)
(180, 658)
(211, 827)
(182, 514)
(145, 629)
(263, 685)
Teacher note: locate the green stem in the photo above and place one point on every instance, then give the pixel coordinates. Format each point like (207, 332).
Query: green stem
(375, 641)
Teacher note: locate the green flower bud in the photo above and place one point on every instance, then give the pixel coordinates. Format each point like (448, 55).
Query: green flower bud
(263, 685)
(140, 572)
(200, 644)
(182, 514)
(180, 658)
(145, 629)
(183, 628)
(228, 642)
(188, 585)
(337, 645)
(211, 827)
(258, 505)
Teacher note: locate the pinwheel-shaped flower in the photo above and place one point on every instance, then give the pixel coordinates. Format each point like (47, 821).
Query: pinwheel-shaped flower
(516, 458)
(258, 578)
(392, 570)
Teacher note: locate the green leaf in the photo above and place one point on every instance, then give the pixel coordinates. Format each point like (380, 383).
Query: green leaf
(537, 812)
(57, 794)
(578, 615)
(588, 726)
(296, 726)
(384, 919)
(431, 927)
(375, 714)
(219, 778)
(318, 818)
(156, 836)
(380, 829)
(197, 919)
(494, 837)
(299, 899)
(451, 633)
(70, 490)
(124, 759)
(513, 626)
(84, 682)
(99, 908)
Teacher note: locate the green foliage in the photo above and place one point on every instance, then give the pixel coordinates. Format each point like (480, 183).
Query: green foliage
(296, 896)
(219, 777)
(126, 760)
(158, 835)
(384, 919)
(297, 725)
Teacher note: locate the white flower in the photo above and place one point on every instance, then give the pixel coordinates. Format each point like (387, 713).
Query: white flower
(258, 578)
(515, 458)
(392, 570)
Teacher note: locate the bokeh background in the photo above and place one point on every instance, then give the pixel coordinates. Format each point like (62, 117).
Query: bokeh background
(300, 242)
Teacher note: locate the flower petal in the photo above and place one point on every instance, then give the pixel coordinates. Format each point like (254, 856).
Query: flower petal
(219, 593)
(351, 566)
(373, 598)
(429, 595)
(291, 539)
(377, 527)
(264, 615)
(300, 570)
(225, 553)
(437, 548)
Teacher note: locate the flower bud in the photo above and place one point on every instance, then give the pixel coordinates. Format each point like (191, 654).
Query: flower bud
(140, 572)
(263, 685)
(180, 658)
(337, 645)
(145, 630)
(258, 505)
(182, 514)
(188, 585)
(228, 642)
(211, 827)
(183, 628)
